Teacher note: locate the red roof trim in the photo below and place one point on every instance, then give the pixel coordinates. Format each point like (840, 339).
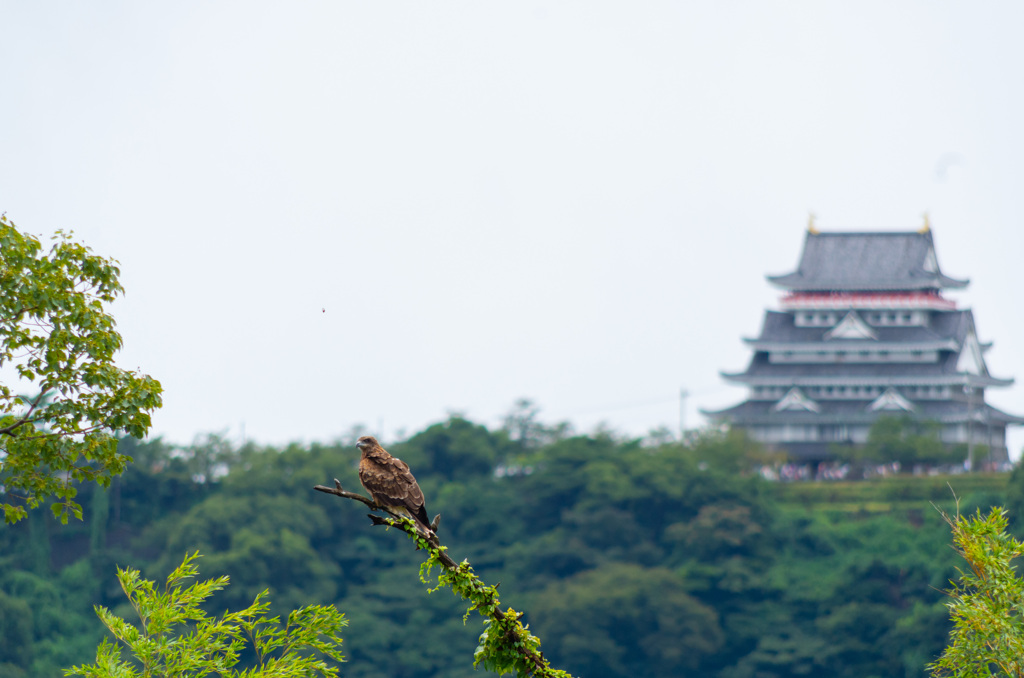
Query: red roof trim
(884, 300)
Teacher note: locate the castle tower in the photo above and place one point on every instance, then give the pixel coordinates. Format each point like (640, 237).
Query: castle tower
(864, 331)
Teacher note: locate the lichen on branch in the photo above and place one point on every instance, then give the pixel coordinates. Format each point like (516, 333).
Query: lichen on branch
(506, 645)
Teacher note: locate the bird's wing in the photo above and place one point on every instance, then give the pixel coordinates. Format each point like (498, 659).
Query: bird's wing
(391, 483)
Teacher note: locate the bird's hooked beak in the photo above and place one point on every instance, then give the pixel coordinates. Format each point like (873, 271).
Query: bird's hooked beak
(362, 443)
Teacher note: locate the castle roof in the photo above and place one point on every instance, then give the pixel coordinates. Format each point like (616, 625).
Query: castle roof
(866, 261)
(763, 372)
(952, 333)
(754, 412)
(945, 331)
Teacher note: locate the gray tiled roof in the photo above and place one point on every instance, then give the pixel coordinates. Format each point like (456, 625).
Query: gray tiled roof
(780, 328)
(753, 412)
(946, 333)
(761, 371)
(866, 261)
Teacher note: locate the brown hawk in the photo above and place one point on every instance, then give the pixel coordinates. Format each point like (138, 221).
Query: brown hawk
(389, 481)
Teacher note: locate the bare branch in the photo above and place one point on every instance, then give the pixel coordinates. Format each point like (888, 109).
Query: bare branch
(338, 491)
(396, 520)
(25, 419)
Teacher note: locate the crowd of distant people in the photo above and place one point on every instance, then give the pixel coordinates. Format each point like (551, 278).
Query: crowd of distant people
(824, 471)
(792, 472)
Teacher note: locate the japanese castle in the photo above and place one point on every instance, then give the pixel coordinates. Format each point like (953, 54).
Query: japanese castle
(864, 331)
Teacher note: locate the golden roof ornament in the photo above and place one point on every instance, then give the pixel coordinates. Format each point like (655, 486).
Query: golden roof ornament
(811, 228)
(927, 224)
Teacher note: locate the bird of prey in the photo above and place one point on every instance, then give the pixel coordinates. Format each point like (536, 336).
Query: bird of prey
(389, 481)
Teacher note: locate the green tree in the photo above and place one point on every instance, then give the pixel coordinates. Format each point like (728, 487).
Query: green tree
(730, 451)
(15, 631)
(626, 620)
(60, 342)
(1015, 499)
(263, 541)
(985, 602)
(906, 439)
(176, 638)
(837, 579)
(56, 628)
(523, 427)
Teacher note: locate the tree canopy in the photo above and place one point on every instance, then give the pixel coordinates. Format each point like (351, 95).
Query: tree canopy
(906, 439)
(58, 419)
(629, 557)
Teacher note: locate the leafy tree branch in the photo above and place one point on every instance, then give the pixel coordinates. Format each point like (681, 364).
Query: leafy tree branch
(60, 342)
(985, 603)
(176, 638)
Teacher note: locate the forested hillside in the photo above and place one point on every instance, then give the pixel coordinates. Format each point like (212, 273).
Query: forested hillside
(630, 558)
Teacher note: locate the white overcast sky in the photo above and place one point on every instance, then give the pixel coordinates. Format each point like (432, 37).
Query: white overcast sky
(329, 213)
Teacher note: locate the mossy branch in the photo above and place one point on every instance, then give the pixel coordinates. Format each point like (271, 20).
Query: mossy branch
(506, 645)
